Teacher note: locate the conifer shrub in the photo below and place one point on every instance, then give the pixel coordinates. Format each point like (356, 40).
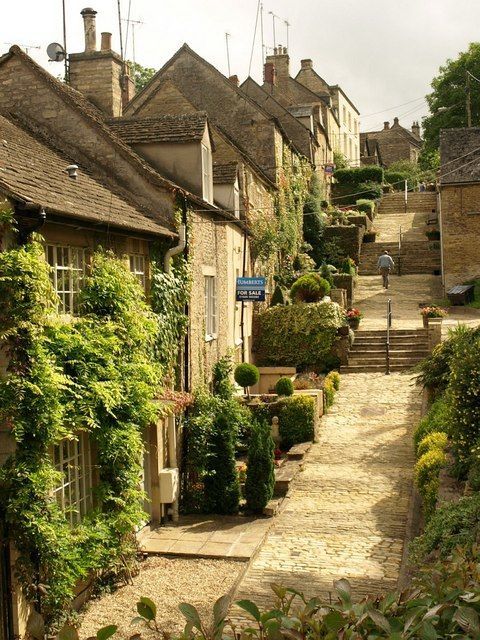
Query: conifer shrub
(296, 419)
(221, 485)
(278, 296)
(310, 287)
(260, 480)
(284, 387)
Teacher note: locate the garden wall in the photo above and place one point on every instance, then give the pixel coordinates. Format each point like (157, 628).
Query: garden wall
(347, 282)
(348, 239)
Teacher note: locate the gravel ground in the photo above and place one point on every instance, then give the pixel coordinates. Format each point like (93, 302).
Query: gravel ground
(167, 581)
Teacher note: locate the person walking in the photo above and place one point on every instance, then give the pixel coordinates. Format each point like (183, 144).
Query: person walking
(385, 264)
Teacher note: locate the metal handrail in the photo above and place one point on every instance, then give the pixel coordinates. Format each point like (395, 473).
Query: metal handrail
(399, 257)
(389, 324)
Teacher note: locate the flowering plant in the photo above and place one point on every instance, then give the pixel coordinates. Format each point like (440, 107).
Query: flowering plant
(353, 314)
(242, 472)
(434, 312)
(277, 454)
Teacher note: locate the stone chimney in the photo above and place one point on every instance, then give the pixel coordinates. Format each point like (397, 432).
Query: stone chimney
(306, 64)
(101, 76)
(395, 122)
(416, 129)
(269, 74)
(386, 126)
(281, 62)
(234, 80)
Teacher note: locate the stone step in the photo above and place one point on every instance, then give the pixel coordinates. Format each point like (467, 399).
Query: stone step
(375, 333)
(284, 476)
(406, 361)
(394, 353)
(299, 451)
(373, 368)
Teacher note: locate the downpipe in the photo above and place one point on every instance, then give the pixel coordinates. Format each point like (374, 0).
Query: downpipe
(174, 251)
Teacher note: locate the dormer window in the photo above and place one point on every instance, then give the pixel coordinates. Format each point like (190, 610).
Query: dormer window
(207, 174)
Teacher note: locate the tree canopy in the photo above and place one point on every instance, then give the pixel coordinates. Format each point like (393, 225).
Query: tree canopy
(141, 75)
(447, 102)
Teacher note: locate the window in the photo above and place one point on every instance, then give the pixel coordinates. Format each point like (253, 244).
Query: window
(207, 178)
(350, 121)
(72, 459)
(210, 307)
(351, 150)
(138, 268)
(68, 271)
(344, 116)
(236, 201)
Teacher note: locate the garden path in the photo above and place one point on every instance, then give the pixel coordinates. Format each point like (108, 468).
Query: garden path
(346, 514)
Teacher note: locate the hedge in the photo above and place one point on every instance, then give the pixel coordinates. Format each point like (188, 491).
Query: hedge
(359, 174)
(297, 335)
(296, 419)
(366, 206)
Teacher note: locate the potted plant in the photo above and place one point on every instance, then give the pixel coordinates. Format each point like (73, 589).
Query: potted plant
(353, 317)
(432, 312)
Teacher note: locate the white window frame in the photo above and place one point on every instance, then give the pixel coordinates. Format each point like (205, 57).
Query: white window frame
(67, 265)
(210, 290)
(73, 460)
(207, 174)
(137, 263)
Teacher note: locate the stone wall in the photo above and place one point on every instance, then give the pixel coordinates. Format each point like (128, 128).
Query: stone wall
(344, 281)
(460, 223)
(347, 238)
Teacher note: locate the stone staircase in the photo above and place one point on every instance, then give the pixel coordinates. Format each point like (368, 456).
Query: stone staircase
(368, 353)
(419, 256)
(416, 202)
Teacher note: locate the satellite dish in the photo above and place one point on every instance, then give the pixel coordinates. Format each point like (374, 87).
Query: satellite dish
(55, 52)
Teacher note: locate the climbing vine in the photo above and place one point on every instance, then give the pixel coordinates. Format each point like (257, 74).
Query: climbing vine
(100, 373)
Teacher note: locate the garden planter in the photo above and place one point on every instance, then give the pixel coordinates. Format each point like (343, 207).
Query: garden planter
(343, 331)
(354, 323)
(425, 321)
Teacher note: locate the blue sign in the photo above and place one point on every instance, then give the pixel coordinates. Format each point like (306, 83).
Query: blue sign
(251, 289)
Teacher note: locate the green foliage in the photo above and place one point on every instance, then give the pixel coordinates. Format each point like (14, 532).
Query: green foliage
(427, 471)
(260, 480)
(314, 220)
(331, 384)
(311, 330)
(357, 175)
(474, 476)
(284, 387)
(310, 287)
(221, 378)
(340, 160)
(403, 170)
(326, 272)
(453, 524)
(95, 373)
(365, 206)
(396, 179)
(370, 190)
(447, 99)
(246, 374)
(141, 75)
(296, 419)
(278, 297)
(348, 266)
(221, 486)
(434, 440)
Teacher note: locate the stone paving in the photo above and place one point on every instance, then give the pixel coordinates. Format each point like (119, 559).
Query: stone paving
(346, 514)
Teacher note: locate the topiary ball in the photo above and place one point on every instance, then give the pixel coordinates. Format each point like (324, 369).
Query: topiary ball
(246, 374)
(284, 387)
(310, 287)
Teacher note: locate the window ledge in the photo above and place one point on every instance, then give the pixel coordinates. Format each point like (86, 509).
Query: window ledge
(210, 338)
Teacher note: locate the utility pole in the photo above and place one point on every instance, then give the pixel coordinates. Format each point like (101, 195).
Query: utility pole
(261, 29)
(469, 101)
(227, 36)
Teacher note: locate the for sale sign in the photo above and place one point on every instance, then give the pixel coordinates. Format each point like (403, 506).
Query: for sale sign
(251, 289)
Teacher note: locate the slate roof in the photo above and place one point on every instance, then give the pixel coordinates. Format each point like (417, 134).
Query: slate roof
(460, 155)
(165, 128)
(33, 172)
(225, 173)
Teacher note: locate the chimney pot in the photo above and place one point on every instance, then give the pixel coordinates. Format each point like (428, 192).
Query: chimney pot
(106, 42)
(395, 121)
(386, 125)
(269, 74)
(89, 27)
(306, 64)
(234, 80)
(285, 51)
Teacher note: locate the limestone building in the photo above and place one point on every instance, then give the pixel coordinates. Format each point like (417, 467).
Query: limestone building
(394, 143)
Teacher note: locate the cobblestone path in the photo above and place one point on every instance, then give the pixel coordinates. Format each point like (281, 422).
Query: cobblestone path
(346, 515)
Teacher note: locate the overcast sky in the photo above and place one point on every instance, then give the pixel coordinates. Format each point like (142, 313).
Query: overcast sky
(383, 53)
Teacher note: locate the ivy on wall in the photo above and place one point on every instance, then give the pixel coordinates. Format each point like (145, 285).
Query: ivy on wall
(99, 373)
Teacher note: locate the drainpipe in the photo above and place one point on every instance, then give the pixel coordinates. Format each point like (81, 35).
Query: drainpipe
(242, 313)
(174, 251)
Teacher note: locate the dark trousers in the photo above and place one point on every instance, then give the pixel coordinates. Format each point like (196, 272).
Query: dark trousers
(385, 271)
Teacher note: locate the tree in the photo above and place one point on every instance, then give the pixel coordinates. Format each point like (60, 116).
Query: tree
(260, 480)
(141, 75)
(314, 220)
(447, 102)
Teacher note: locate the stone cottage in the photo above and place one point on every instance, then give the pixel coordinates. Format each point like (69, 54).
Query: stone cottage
(459, 200)
(394, 142)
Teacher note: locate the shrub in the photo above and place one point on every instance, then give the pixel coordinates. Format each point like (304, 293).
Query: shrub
(348, 266)
(310, 287)
(284, 387)
(427, 471)
(435, 420)
(296, 416)
(246, 375)
(370, 190)
(260, 480)
(435, 440)
(311, 330)
(365, 206)
(452, 525)
(222, 489)
(474, 476)
(396, 179)
(331, 384)
(359, 174)
(278, 296)
(326, 273)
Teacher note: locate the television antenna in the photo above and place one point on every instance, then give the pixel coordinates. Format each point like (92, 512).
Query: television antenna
(227, 36)
(274, 15)
(288, 25)
(134, 24)
(27, 47)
